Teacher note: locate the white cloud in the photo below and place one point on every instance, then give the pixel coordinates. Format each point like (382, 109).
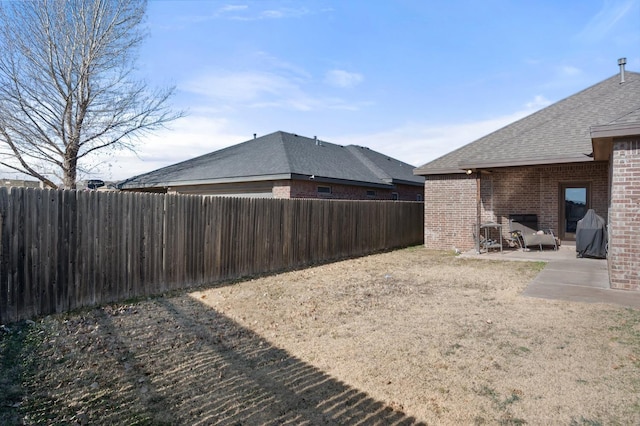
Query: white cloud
(273, 14)
(612, 12)
(532, 61)
(188, 137)
(538, 102)
(284, 13)
(414, 143)
(282, 67)
(566, 77)
(241, 87)
(233, 8)
(265, 90)
(342, 79)
(244, 13)
(418, 143)
(205, 131)
(568, 70)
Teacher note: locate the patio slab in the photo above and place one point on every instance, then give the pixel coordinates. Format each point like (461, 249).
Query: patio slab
(566, 277)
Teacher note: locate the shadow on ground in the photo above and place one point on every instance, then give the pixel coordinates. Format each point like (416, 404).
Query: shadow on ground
(174, 361)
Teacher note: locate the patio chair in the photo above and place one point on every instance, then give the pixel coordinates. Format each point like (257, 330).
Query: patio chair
(528, 237)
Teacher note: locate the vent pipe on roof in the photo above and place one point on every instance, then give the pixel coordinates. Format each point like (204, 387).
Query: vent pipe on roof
(254, 135)
(621, 64)
(315, 138)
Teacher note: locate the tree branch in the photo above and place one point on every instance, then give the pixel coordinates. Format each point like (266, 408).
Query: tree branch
(66, 87)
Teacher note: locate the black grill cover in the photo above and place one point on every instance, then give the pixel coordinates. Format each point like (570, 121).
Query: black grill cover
(591, 236)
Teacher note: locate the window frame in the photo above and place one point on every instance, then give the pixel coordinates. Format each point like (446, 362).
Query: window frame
(328, 190)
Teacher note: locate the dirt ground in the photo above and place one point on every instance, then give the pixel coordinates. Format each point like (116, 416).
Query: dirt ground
(410, 336)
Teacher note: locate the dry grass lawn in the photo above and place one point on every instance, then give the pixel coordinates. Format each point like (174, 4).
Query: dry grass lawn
(410, 336)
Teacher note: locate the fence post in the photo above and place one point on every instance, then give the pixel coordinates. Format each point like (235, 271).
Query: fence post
(61, 250)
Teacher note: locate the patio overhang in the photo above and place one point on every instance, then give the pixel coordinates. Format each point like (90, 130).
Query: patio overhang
(602, 137)
(483, 165)
(437, 171)
(472, 166)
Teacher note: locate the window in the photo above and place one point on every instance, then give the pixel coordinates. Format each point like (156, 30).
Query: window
(371, 193)
(324, 190)
(394, 196)
(419, 197)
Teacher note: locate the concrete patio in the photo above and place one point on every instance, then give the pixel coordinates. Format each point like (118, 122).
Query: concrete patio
(566, 277)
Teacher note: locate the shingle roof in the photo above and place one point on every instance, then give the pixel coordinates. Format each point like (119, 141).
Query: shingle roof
(557, 133)
(282, 155)
(631, 117)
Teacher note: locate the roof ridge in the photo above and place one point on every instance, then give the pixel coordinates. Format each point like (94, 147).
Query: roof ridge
(633, 111)
(284, 148)
(180, 163)
(377, 170)
(564, 123)
(563, 112)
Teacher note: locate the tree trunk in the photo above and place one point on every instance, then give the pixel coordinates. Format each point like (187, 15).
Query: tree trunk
(67, 89)
(70, 169)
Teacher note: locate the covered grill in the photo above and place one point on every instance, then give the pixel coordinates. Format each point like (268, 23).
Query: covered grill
(591, 236)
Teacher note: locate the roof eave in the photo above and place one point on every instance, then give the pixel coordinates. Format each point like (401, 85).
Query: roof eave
(260, 178)
(615, 130)
(464, 166)
(602, 137)
(406, 182)
(474, 165)
(424, 171)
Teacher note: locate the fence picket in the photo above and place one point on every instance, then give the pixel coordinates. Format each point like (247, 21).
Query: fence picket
(62, 250)
(4, 256)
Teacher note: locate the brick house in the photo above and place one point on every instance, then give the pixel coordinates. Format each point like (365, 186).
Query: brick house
(579, 153)
(285, 165)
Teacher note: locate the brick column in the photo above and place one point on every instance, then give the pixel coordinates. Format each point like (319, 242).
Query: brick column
(449, 211)
(624, 215)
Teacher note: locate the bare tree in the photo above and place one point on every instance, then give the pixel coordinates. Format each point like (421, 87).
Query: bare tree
(67, 84)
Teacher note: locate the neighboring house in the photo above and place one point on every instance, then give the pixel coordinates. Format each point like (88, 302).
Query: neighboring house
(285, 165)
(18, 183)
(96, 184)
(581, 152)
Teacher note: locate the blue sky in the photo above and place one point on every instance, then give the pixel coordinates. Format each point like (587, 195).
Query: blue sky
(413, 79)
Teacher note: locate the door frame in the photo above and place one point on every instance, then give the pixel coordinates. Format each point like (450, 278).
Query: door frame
(562, 187)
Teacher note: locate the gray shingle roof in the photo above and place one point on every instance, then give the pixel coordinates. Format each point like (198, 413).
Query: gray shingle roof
(282, 155)
(631, 117)
(557, 133)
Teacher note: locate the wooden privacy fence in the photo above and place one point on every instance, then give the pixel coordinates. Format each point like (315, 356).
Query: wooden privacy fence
(62, 250)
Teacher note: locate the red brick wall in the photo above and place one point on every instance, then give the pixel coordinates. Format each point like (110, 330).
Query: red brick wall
(282, 189)
(596, 174)
(309, 189)
(450, 200)
(537, 190)
(409, 192)
(509, 191)
(302, 189)
(449, 211)
(624, 215)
